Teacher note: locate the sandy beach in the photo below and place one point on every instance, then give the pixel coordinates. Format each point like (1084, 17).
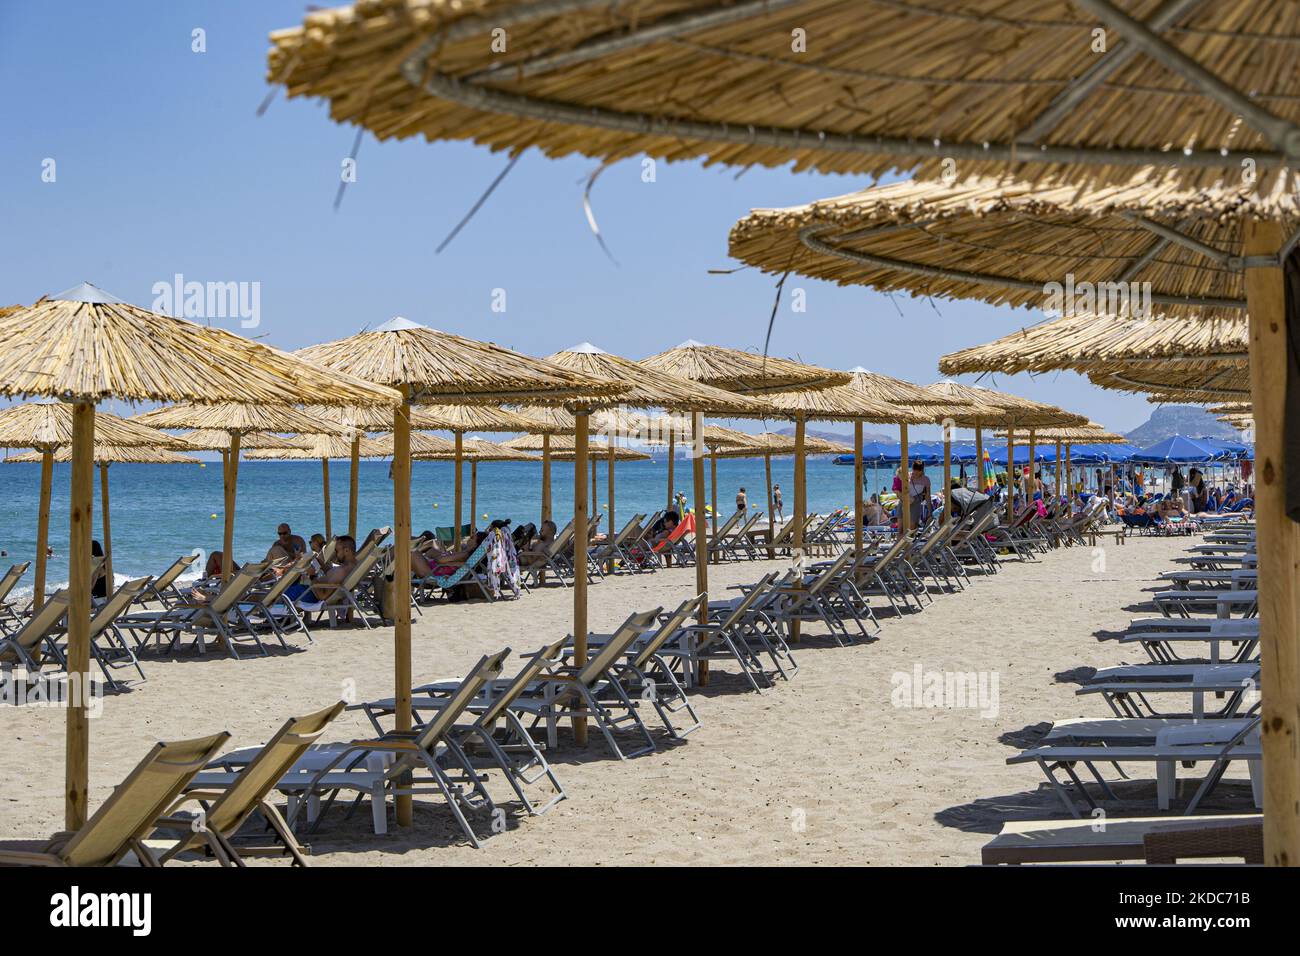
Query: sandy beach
(822, 770)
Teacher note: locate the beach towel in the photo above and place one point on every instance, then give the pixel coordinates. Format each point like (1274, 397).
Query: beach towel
(502, 563)
(685, 526)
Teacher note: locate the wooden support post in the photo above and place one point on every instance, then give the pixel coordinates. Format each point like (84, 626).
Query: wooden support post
(459, 483)
(947, 473)
(546, 477)
(231, 482)
(473, 493)
(595, 505)
(609, 483)
(1069, 482)
(904, 494)
(672, 454)
(1278, 545)
(858, 507)
(1057, 469)
(701, 528)
(580, 418)
(80, 517)
(1011, 474)
(325, 487)
(1032, 485)
(979, 459)
(108, 529)
(402, 581)
(354, 486)
(43, 527)
(800, 510)
(713, 493)
(771, 501)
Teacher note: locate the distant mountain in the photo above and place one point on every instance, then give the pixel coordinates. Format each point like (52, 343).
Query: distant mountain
(844, 438)
(1188, 420)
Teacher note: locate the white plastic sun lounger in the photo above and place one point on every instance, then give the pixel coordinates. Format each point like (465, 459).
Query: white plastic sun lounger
(1096, 840)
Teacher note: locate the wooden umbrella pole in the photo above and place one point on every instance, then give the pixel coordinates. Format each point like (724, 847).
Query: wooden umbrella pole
(546, 477)
(402, 581)
(1278, 546)
(1069, 482)
(107, 527)
(1057, 468)
(979, 459)
(609, 478)
(858, 508)
(595, 505)
(231, 479)
(80, 517)
(1011, 475)
(473, 493)
(672, 454)
(43, 528)
(800, 512)
(947, 474)
(580, 419)
(325, 489)
(771, 503)
(701, 529)
(459, 483)
(1032, 485)
(713, 494)
(904, 493)
(354, 487)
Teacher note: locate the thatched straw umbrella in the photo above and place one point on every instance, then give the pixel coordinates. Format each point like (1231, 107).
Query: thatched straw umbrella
(237, 419)
(1194, 85)
(1084, 341)
(438, 368)
(325, 448)
(749, 374)
(46, 427)
(1090, 433)
(475, 450)
(870, 397)
(83, 346)
(650, 387)
(1202, 382)
(107, 454)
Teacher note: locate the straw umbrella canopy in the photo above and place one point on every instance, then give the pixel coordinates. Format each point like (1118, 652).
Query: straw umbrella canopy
(237, 419)
(46, 427)
(651, 387)
(432, 367)
(1084, 341)
(1204, 382)
(1196, 85)
(211, 439)
(83, 346)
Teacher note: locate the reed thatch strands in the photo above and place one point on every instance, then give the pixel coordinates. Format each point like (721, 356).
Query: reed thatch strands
(1085, 340)
(1138, 247)
(771, 82)
(47, 427)
(989, 408)
(83, 346)
(1091, 433)
(211, 439)
(423, 445)
(1206, 382)
(738, 371)
(438, 368)
(562, 447)
(598, 449)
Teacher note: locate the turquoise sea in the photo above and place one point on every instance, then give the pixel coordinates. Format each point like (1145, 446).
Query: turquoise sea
(158, 512)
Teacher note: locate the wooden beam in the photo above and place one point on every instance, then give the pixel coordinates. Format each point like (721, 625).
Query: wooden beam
(771, 502)
(459, 483)
(701, 528)
(979, 459)
(107, 526)
(325, 494)
(947, 474)
(231, 477)
(80, 518)
(354, 486)
(857, 491)
(1278, 544)
(43, 527)
(713, 493)
(904, 495)
(580, 418)
(800, 509)
(402, 581)
(612, 525)
(672, 454)
(546, 477)
(473, 493)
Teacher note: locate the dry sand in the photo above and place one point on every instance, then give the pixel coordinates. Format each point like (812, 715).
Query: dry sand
(821, 770)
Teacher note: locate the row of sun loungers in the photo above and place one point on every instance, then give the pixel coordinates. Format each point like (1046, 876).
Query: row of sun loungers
(1194, 705)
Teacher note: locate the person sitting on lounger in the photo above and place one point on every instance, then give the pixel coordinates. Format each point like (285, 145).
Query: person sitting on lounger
(440, 562)
(213, 568)
(663, 528)
(873, 514)
(324, 584)
(287, 545)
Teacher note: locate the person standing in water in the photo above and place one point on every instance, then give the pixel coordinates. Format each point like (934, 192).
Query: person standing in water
(742, 503)
(778, 505)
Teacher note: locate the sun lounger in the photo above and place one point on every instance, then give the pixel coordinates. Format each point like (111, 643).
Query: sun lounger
(122, 821)
(1163, 645)
(219, 617)
(227, 798)
(109, 647)
(1103, 840)
(740, 634)
(9, 616)
(273, 609)
(557, 558)
(346, 596)
(24, 646)
(611, 552)
(163, 588)
(394, 764)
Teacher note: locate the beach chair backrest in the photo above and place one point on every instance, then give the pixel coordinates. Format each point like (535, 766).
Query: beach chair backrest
(487, 669)
(725, 528)
(11, 578)
(265, 770)
(617, 645)
(327, 552)
(238, 587)
(286, 580)
(744, 605)
(831, 571)
(527, 674)
(352, 580)
(561, 542)
(118, 602)
(173, 573)
(38, 625)
(145, 795)
(666, 630)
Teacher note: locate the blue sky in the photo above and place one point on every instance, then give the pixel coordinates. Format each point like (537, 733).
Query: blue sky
(163, 168)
